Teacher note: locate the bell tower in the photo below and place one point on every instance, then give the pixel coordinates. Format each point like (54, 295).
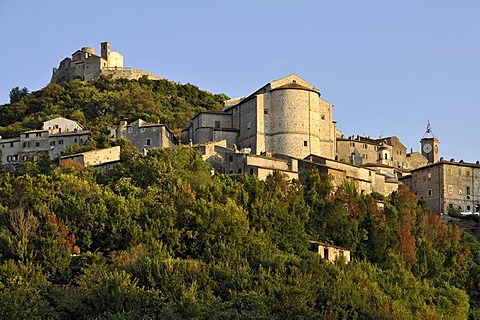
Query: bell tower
(105, 52)
(429, 144)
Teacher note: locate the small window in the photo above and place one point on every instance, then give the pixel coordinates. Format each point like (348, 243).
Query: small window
(25, 158)
(305, 143)
(323, 117)
(75, 140)
(231, 171)
(27, 135)
(325, 253)
(429, 175)
(148, 142)
(230, 158)
(142, 130)
(11, 144)
(265, 111)
(468, 190)
(9, 158)
(386, 156)
(52, 143)
(60, 141)
(26, 144)
(239, 170)
(38, 134)
(217, 124)
(81, 140)
(429, 192)
(249, 125)
(129, 129)
(251, 170)
(37, 144)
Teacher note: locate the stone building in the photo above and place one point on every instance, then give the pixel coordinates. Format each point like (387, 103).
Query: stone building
(286, 116)
(447, 186)
(145, 135)
(286, 127)
(53, 139)
(85, 65)
(104, 159)
(365, 150)
(330, 252)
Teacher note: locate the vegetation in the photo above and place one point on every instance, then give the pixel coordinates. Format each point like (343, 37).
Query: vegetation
(104, 102)
(160, 237)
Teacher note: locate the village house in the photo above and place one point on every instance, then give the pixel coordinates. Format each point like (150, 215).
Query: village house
(145, 135)
(52, 140)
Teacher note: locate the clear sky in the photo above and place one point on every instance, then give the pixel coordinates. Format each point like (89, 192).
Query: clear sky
(387, 66)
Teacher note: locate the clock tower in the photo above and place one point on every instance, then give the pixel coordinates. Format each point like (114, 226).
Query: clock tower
(429, 145)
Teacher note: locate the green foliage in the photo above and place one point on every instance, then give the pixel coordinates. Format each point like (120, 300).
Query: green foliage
(161, 237)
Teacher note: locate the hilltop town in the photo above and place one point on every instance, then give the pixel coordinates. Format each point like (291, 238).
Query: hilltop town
(127, 197)
(284, 126)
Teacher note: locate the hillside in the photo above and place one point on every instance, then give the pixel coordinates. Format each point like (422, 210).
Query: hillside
(159, 236)
(104, 102)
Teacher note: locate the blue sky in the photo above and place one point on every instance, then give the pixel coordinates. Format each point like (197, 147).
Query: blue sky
(387, 66)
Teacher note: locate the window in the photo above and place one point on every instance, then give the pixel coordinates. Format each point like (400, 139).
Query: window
(305, 143)
(468, 190)
(230, 158)
(251, 170)
(217, 124)
(27, 135)
(11, 144)
(75, 140)
(37, 144)
(429, 192)
(148, 142)
(81, 140)
(468, 208)
(9, 158)
(129, 129)
(365, 146)
(429, 175)
(38, 134)
(265, 111)
(60, 141)
(323, 117)
(26, 144)
(325, 253)
(239, 170)
(25, 158)
(15, 157)
(249, 125)
(142, 130)
(352, 144)
(386, 156)
(52, 143)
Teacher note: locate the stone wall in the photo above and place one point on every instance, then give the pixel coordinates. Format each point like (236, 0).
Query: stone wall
(447, 186)
(128, 73)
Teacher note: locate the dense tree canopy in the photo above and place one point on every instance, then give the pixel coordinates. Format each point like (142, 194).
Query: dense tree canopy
(159, 236)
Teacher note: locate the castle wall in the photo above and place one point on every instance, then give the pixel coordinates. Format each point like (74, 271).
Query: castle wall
(244, 118)
(298, 123)
(128, 73)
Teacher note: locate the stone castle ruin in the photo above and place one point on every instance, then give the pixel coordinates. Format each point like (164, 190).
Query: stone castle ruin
(86, 65)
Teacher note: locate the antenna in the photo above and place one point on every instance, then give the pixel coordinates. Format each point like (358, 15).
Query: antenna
(429, 131)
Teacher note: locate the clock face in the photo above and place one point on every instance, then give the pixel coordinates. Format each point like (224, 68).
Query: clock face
(427, 148)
